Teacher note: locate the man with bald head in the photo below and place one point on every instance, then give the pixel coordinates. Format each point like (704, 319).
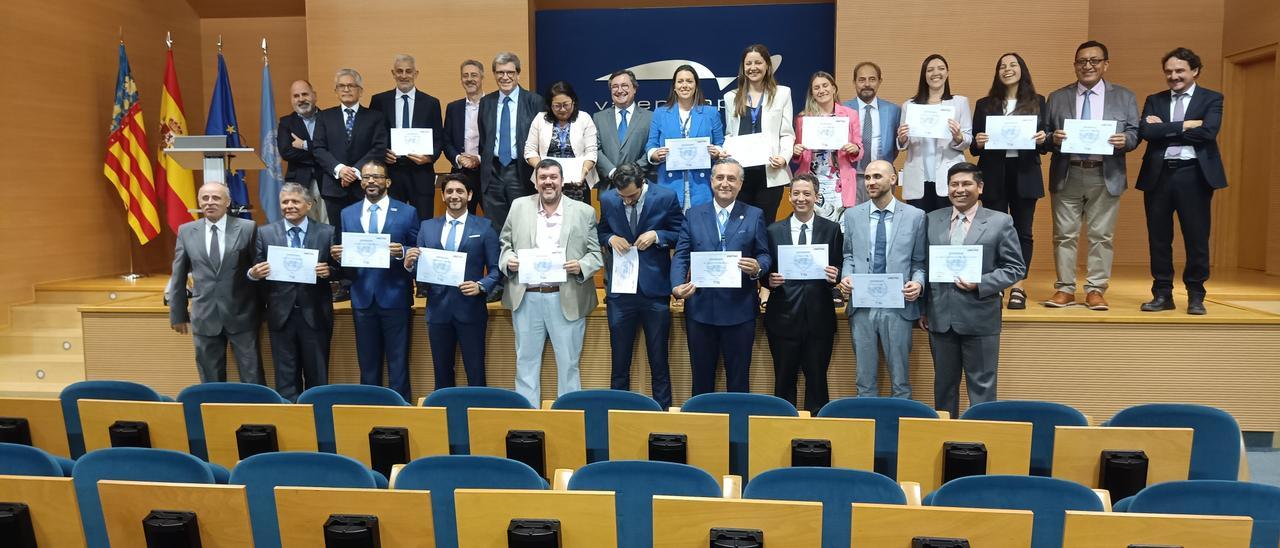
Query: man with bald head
(217, 251)
(293, 138)
(407, 107)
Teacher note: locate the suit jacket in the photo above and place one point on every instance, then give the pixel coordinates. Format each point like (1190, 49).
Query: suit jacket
(582, 140)
(890, 114)
(223, 300)
(426, 114)
(1206, 106)
(384, 287)
(447, 304)
(1118, 104)
(315, 301)
(744, 232)
(630, 151)
(947, 151)
(798, 307)
(577, 236)
(775, 121)
(1030, 177)
(660, 213)
(905, 252)
(528, 104)
(368, 142)
(455, 131)
(302, 163)
(975, 312)
(847, 183)
(704, 121)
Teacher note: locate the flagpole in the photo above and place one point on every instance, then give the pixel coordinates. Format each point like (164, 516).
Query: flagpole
(131, 276)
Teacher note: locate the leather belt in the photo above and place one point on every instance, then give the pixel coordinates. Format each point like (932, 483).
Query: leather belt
(544, 289)
(1178, 163)
(1089, 164)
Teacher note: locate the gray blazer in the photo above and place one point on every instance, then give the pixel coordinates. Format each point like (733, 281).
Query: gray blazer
(975, 312)
(226, 299)
(906, 253)
(631, 151)
(1118, 103)
(580, 242)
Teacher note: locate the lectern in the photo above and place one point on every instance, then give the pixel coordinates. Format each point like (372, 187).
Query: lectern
(210, 153)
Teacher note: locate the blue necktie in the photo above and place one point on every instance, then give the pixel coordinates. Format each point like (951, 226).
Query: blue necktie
(504, 134)
(373, 219)
(404, 113)
(878, 260)
(449, 240)
(720, 222)
(350, 123)
(1086, 109)
(295, 238)
(622, 128)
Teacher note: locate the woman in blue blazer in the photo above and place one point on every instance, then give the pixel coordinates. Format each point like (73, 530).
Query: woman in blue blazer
(686, 114)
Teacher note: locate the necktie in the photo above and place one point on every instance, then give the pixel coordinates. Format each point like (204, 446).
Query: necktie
(878, 257)
(404, 112)
(449, 240)
(504, 134)
(373, 219)
(1086, 109)
(1179, 114)
(215, 250)
(622, 128)
(958, 230)
(350, 123)
(804, 235)
(720, 222)
(633, 218)
(295, 237)
(868, 145)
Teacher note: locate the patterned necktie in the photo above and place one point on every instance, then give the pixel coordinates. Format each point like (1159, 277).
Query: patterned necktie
(373, 219)
(295, 237)
(1179, 114)
(404, 112)
(449, 240)
(804, 234)
(504, 133)
(215, 249)
(878, 258)
(350, 123)
(958, 230)
(721, 220)
(633, 218)
(622, 127)
(868, 151)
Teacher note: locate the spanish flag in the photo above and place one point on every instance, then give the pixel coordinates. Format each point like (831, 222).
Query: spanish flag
(127, 165)
(176, 187)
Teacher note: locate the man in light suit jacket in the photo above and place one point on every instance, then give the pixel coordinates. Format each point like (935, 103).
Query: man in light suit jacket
(548, 221)
(622, 128)
(299, 316)
(879, 119)
(1085, 186)
(505, 117)
(462, 130)
(217, 251)
(1180, 170)
(457, 315)
(406, 106)
(341, 151)
(963, 317)
(721, 322)
(884, 236)
(637, 217)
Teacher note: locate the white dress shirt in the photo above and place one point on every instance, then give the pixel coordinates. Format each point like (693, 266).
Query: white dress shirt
(795, 230)
(383, 206)
(457, 238)
(874, 145)
(399, 110)
(222, 236)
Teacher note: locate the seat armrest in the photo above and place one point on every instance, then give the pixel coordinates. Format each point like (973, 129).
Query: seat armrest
(732, 486)
(944, 415)
(546, 404)
(911, 489)
(395, 471)
(1105, 496)
(560, 479)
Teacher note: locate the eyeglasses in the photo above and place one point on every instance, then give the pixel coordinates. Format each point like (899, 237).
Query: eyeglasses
(1090, 62)
(562, 106)
(620, 86)
(505, 72)
(348, 87)
(374, 177)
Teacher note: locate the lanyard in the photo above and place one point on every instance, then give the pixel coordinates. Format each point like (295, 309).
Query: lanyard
(755, 112)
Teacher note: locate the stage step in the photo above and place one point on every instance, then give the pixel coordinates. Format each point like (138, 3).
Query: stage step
(45, 315)
(54, 369)
(31, 389)
(61, 296)
(42, 340)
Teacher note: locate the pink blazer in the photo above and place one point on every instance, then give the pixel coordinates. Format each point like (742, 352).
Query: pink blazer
(847, 184)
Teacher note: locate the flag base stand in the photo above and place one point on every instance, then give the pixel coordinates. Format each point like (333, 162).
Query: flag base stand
(132, 276)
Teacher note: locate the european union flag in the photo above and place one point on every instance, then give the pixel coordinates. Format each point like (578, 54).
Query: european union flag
(222, 121)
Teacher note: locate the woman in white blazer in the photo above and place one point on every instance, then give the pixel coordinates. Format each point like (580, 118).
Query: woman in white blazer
(924, 177)
(760, 105)
(565, 132)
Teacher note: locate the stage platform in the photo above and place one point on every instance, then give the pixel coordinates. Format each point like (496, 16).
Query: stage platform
(1098, 362)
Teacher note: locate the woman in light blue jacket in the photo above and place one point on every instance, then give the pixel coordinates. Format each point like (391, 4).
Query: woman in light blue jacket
(686, 114)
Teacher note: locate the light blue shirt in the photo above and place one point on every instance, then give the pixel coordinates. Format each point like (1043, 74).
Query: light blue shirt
(288, 239)
(310, 122)
(888, 224)
(511, 111)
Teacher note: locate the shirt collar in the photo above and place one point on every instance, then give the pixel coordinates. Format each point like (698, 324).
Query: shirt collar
(461, 218)
(973, 212)
(470, 103)
(221, 223)
(630, 108)
(557, 213)
(875, 103)
(355, 107)
(728, 210)
(796, 223)
(382, 204)
(1190, 91)
(411, 94)
(1097, 88)
(891, 208)
(301, 226)
(514, 95)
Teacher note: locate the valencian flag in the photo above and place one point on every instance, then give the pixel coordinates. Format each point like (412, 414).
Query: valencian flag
(222, 121)
(176, 186)
(127, 165)
(269, 179)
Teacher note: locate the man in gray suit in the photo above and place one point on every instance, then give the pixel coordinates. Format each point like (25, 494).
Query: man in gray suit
(547, 221)
(963, 317)
(884, 236)
(1088, 186)
(623, 128)
(217, 251)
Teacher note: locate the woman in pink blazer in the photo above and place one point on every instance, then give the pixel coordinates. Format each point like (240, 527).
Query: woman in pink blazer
(839, 187)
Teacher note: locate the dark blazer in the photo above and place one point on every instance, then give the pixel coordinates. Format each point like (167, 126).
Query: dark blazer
(302, 163)
(1206, 106)
(1030, 176)
(426, 114)
(455, 131)
(528, 105)
(974, 312)
(661, 213)
(803, 306)
(368, 142)
(447, 304)
(315, 301)
(385, 287)
(744, 232)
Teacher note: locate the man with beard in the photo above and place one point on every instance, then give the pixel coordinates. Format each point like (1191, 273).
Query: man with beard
(293, 138)
(879, 119)
(626, 144)
(405, 107)
(462, 130)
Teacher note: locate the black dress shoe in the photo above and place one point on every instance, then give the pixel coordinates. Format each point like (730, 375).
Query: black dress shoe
(341, 294)
(1195, 305)
(1160, 302)
(422, 292)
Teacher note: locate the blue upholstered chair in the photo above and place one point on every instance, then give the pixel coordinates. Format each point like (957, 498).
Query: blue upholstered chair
(1216, 446)
(218, 392)
(128, 464)
(260, 474)
(1044, 418)
(443, 474)
(323, 398)
(96, 390)
(886, 412)
(456, 400)
(1048, 498)
(634, 483)
(1215, 498)
(25, 460)
(595, 405)
(739, 406)
(835, 488)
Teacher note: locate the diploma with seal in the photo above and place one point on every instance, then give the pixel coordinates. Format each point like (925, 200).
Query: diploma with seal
(715, 269)
(412, 141)
(1011, 132)
(366, 250)
(929, 121)
(803, 262)
(877, 291)
(825, 132)
(542, 266)
(626, 272)
(292, 264)
(437, 266)
(948, 262)
(690, 153)
(1088, 137)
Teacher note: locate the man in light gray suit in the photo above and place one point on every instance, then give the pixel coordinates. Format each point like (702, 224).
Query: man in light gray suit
(622, 128)
(217, 251)
(547, 221)
(963, 317)
(1088, 186)
(884, 236)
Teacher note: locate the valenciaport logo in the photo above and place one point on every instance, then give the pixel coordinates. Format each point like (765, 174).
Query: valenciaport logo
(663, 71)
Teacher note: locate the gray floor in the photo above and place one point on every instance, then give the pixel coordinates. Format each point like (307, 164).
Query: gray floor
(1264, 466)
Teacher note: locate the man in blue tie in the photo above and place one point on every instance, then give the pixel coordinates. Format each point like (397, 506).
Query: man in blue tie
(505, 116)
(626, 145)
(407, 107)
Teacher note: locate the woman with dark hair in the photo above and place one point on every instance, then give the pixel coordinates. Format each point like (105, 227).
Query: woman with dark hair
(760, 105)
(563, 131)
(928, 159)
(835, 170)
(686, 114)
(1012, 178)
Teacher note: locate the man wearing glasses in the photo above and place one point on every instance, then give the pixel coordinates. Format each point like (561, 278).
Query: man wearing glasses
(623, 129)
(505, 116)
(347, 136)
(1084, 185)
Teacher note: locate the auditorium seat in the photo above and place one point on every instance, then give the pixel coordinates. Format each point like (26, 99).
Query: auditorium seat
(1048, 498)
(323, 398)
(96, 390)
(24, 460)
(1215, 498)
(260, 474)
(595, 405)
(634, 484)
(835, 488)
(739, 406)
(445, 473)
(456, 400)
(218, 392)
(128, 464)
(1216, 446)
(1044, 417)
(886, 412)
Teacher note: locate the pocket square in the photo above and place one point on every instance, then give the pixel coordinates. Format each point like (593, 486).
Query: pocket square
(474, 236)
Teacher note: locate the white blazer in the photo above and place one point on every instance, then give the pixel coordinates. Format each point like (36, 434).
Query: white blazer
(582, 138)
(775, 121)
(914, 172)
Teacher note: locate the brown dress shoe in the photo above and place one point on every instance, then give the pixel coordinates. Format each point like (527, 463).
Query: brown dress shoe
(1061, 299)
(1095, 301)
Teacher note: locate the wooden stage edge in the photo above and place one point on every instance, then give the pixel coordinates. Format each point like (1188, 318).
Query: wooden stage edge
(1098, 362)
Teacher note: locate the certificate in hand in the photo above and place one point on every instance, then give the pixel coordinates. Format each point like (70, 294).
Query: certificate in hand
(825, 132)
(542, 266)
(749, 150)
(1011, 132)
(572, 168)
(929, 121)
(712, 269)
(626, 272)
(802, 262)
(412, 141)
(877, 291)
(691, 153)
(364, 250)
(437, 266)
(948, 262)
(292, 264)
(1088, 137)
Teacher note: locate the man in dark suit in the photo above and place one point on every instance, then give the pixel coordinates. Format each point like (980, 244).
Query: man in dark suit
(381, 298)
(1180, 170)
(299, 316)
(462, 130)
(505, 116)
(346, 137)
(406, 106)
(457, 315)
(801, 318)
(623, 129)
(294, 135)
(721, 321)
(645, 219)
